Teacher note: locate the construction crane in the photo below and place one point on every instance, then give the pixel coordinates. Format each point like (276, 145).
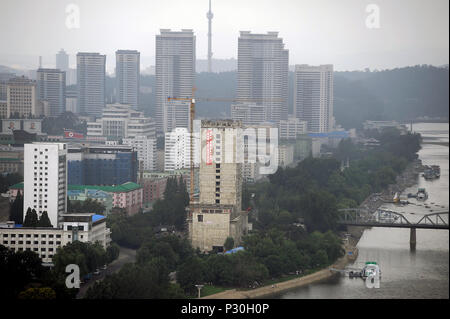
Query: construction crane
(191, 124)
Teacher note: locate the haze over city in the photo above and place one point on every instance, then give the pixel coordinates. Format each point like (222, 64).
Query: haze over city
(224, 149)
(410, 32)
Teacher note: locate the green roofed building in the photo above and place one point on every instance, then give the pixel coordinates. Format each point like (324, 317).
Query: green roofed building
(128, 195)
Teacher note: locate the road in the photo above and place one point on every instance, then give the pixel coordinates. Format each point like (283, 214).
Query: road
(126, 255)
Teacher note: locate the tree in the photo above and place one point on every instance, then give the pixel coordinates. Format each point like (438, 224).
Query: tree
(190, 273)
(31, 218)
(229, 243)
(44, 221)
(112, 252)
(18, 269)
(16, 209)
(38, 293)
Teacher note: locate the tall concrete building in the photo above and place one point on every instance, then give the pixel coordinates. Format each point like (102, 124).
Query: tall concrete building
(4, 78)
(146, 151)
(218, 213)
(127, 77)
(263, 65)
(62, 61)
(313, 96)
(175, 76)
(177, 149)
(91, 83)
(21, 98)
(51, 86)
(45, 180)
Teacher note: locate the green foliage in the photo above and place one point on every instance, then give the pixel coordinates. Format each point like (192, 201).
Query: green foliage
(190, 273)
(137, 281)
(44, 221)
(88, 257)
(16, 209)
(112, 252)
(87, 206)
(31, 218)
(7, 180)
(229, 243)
(18, 269)
(38, 293)
(132, 231)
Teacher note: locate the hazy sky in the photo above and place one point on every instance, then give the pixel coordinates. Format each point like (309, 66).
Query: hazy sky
(315, 31)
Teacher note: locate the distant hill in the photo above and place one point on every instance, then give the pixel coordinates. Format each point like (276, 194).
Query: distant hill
(400, 94)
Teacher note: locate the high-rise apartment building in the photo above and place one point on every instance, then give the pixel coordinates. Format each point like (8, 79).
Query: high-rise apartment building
(91, 83)
(218, 213)
(313, 96)
(146, 151)
(4, 78)
(127, 77)
(249, 113)
(62, 61)
(45, 180)
(51, 87)
(22, 98)
(177, 149)
(263, 65)
(175, 76)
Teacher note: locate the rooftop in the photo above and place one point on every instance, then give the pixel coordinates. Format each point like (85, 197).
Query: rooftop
(126, 187)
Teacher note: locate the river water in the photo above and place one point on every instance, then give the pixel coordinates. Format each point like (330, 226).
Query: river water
(405, 274)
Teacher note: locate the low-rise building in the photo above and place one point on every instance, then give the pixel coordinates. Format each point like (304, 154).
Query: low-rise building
(128, 195)
(121, 121)
(97, 195)
(285, 155)
(84, 227)
(291, 128)
(11, 160)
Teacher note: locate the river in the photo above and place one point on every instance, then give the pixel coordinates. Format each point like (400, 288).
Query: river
(405, 274)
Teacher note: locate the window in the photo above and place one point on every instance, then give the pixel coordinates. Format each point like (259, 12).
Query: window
(217, 201)
(200, 218)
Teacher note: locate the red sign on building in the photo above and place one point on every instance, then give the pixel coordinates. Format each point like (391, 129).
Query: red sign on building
(209, 148)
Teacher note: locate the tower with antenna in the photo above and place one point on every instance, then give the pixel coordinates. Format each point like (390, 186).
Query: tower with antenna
(209, 15)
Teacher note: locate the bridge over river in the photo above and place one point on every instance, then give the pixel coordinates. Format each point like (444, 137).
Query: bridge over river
(391, 219)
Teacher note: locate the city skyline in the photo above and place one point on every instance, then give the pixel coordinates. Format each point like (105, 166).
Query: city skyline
(314, 33)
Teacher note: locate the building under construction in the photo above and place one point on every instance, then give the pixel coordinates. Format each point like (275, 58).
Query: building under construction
(217, 214)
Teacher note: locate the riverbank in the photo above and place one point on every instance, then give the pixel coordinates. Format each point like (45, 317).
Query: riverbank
(407, 179)
(270, 290)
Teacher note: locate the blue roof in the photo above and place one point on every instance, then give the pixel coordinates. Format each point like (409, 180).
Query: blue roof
(234, 250)
(97, 217)
(341, 134)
